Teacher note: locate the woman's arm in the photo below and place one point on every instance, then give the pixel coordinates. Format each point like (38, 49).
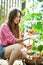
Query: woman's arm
(8, 38)
(21, 39)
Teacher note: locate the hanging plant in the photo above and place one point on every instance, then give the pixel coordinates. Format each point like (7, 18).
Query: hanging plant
(40, 0)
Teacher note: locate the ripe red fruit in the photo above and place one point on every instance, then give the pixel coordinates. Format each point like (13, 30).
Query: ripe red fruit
(31, 31)
(38, 57)
(33, 57)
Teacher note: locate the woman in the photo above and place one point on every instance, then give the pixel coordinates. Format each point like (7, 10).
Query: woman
(10, 38)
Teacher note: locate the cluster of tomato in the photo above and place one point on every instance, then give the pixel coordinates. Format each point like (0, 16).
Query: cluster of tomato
(36, 57)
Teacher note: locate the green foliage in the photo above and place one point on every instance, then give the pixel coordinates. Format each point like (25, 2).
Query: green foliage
(2, 20)
(38, 26)
(40, 0)
(40, 48)
(22, 26)
(31, 16)
(34, 48)
(36, 16)
(2, 15)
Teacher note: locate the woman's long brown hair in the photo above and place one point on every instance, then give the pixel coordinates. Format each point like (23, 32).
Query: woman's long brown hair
(14, 27)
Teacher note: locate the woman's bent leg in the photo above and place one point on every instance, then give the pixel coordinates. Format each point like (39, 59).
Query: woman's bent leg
(13, 52)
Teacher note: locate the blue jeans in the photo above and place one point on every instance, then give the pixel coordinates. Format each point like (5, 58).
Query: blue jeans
(2, 50)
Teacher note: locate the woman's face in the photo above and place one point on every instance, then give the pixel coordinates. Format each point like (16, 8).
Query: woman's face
(17, 19)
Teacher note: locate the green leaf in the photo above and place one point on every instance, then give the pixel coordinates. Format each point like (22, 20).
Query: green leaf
(34, 48)
(40, 48)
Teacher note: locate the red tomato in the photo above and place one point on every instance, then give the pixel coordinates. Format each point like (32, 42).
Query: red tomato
(33, 57)
(31, 31)
(38, 57)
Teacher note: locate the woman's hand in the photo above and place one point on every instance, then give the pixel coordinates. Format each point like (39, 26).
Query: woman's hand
(26, 38)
